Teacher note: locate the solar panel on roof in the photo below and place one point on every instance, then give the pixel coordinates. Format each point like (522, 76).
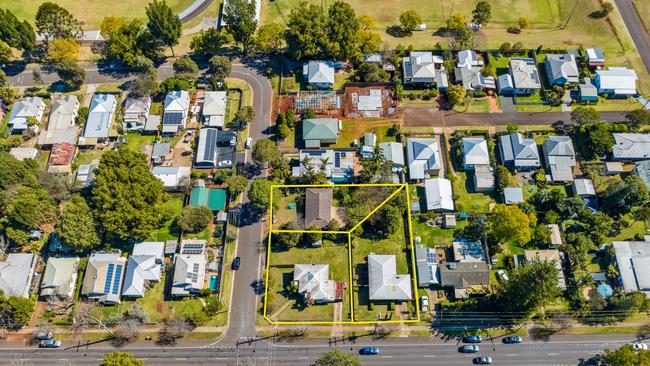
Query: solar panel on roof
(431, 257)
(337, 160)
(116, 281)
(109, 276)
(172, 118)
(431, 272)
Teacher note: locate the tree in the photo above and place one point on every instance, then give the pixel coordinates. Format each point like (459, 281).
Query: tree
(6, 54)
(127, 198)
(638, 118)
(219, 67)
(208, 42)
(236, 185)
(27, 208)
(463, 37)
(288, 239)
(15, 33)
(509, 224)
(503, 178)
(409, 20)
(599, 140)
(456, 94)
(620, 198)
(342, 28)
(306, 35)
(530, 287)
(243, 117)
(127, 41)
(505, 47)
(63, 49)
(174, 83)
(512, 127)
(283, 131)
(270, 38)
(606, 9)
(118, 358)
(164, 25)
(172, 330)
(585, 115)
(77, 227)
(21, 309)
(260, 194)
(265, 151)
(523, 22)
(194, 219)
(456, 21)
(482, 13)
(71, 74)
(337, 357)
(54, 21)
(369, 72)
(186, 68)
(626, 355)
(239, 15)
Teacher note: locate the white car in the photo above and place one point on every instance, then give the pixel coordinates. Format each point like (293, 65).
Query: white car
(502, 275)
(249, 143)
(640, 346)
(425, 303)
(224, 164)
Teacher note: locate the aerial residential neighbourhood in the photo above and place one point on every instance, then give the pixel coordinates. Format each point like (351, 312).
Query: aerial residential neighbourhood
(338, 182)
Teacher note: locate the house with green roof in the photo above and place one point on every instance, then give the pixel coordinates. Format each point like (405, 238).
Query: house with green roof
(214, 199)
(318, 131)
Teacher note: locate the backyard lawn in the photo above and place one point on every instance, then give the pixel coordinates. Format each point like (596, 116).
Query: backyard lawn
(167, 231)
(355, 129)
(466, 201)
(434, 236)
(136, 141)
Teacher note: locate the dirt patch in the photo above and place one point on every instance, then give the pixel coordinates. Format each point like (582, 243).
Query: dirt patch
(423, 117)
(382, 95)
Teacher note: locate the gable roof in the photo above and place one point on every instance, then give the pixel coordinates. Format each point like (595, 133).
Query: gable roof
(475, 151)
(631, 146)
(524, 73)
(423, 155)
(320, 72)
(384, 282)
(619, 79)
(439, 194)
(64, 112)
(172, 176)
(140, 105)
(143, 265)
(463, 275)
(513, 195)
(420, 64)
(100, 116)
(161, 149)
(177, 101)
(60, 276)
(562, 67)
(104, 277)
(560, 157)
(62, 154)
(313, 281)
(468, 58)
(189, 267)
(320, 129)
(212, 198)
(584, 187)
(595, 55)
(214, 108)
(519, 150)
(26, 107)
(206, 149)
(16, 274)
(318, 207)
(22, 153)
(393, 151)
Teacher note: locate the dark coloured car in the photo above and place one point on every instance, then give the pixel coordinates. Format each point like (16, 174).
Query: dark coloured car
(485, 360)
(235, 263)
(369, 351)
(50, 343)
(468, 349)
(513, 340)
(472, 339)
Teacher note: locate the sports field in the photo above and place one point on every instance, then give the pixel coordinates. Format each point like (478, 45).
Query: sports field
(90, 12)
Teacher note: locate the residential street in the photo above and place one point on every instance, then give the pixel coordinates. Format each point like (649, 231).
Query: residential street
(635, 26)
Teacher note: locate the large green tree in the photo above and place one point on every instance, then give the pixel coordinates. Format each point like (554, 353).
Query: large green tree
(638, 118)
(77, 227)
(270, 37)
(239, 15)
(6, 54)
(236, 185)
(128, 40)
(126, 197)
(15, 33)
(186, 68)
(219, 67)
(626, 355)
(71, 74)
(530, 287)
(260, 194)
(54, 21)
(265, 151)
(342, 28)
(336, 357)
(508, 223)
(118, 358)
(164, 25)
(409, 20)
(585, 115)
(208, 42)
(194, 219)
(25, 209)
(482, 13)
(306, 33)
(620, 198)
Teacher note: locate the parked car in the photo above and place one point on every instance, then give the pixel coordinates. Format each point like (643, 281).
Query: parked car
(42, 336)
(640, 346)
(235, 263)
(233, 141)
(224, 164)
(249, 143)
(425, 303)
(513, 340)
(485, 360)
(49, 343)
(369, 351)
(503, 275)
(472, 339)
(468, 349)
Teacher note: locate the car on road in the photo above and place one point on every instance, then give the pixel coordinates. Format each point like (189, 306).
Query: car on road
(640, 346)
(468, 349)
(369, 351)
(233, 141)
(249, 143)
(472, 339)
(485, 360)
(235, 263)
(224, 164)
(49, 343)
(43, 336)
(425, 303)
(503, 275)
(513, 340)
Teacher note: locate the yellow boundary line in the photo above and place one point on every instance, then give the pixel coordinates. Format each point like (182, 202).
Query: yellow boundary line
(350, 268)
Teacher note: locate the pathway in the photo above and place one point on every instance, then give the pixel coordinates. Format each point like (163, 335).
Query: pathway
(337, 329)
(494, 106)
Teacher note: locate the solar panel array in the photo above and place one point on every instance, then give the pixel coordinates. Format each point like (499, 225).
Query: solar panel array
(431, 256)
(431, 275)
(172, 118)
(210, 143)
(192, 248)
(195, 272)
(116, 280)
(109, 276)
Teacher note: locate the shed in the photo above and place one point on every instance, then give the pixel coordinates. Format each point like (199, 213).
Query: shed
(214, 199)
(171, 246)
(513, 195)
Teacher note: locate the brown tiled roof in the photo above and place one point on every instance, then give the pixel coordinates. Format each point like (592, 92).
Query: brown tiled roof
(318, 207)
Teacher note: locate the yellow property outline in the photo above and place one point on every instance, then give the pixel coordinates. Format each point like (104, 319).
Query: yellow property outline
(400, 187)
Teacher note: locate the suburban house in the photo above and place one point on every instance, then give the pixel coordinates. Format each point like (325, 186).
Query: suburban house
(337, 165)
(561, 69)
(177, 107)
(442, 80)
(426, 262)
(189, 268)
(213, 111)
(513, 195)
(104, 277)
(468, 251)
(518, 152)
(524, 75)
(320, 131)
(160, 152)
(423, 156)
(633, 260)
(556, 236)
(86, 174)
(144, 266)
(136, 111)
(642, 169)
(393, 152)
(463, 276)
(100, 118)
(314, 284)
(22, 153)
(152, 126)
(318, 207)
(439, 197)
(23, 111)
(173, 177)
(61, 126)
(616, 82)
(319, 74)
(60, 277)
(547, 255)
(475, 152)
(505, 85)
(369, 143)
(468, 72)
(560, 158)
(421, 67)
(16, 274)
(631, 146)
(206, 148)
(483, 178)
(587, 91)
(212, 198)
(583, 188)
(61, 158)
(384, 284)
(595, 57)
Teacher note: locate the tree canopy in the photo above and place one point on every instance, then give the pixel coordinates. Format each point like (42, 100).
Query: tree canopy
(336, 357)
(626, 355)
(638, 118)
(72, 75)
(239, 15)
(270, 37)
(164, 25)
(186, 68)
(15, 33)
(236, 185)
(208, 42)
(482, 13)
(6, 53)
(54, 21)
(194, 219)
(118, 358)
(621, 197)
(409, 20)
(343, 28)
(77, 227)
(265, 151)
(63, 49)
(260, 194)
(530, 286)
(508, 223)
(219, 67)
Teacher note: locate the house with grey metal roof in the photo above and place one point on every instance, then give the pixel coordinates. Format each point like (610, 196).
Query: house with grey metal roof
(518, 152)
(384, 284)
(189, 268)
(136, 111)
(583, 188)
(505, 85)
(100, 117)
(61, 126)
(60, 277)
(143, 267)
(561, 69)
(104, 277)
(319, 74)
(560, 158)
(314, 283)
(438, 195)
(587, 91)
(173, 177)
(421, 67)
(617, 82)
(631, 146)
(513, 195)
(475, 152)
(86, 174)
(319, 131)
(423, 156)
(22, 111)
(426, 262)
(177, 107)
(462, 276)
(160, 152)
(16, 274)
(318, 207)
(393, 152)
(468, 72)
(213, 111)
(206, 148)
(642, 169)
(633, 260)
(525, 77)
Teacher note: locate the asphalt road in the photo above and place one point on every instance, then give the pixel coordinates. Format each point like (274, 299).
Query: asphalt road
(634, 25)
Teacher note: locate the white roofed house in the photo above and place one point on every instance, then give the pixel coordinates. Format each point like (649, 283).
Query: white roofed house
(560, 158)
(633, 260)
(60, 277)
(525, 77)
(595, 57)
(314, 284)
(393, 152)
(439, 196)
(100, 118)
(421, 67)
(631, 147)
(206, 149)
(561, 69)
(136, 111)
(189, 268)
(22, 111)
(384, 284)
(173, 177)
(369, 143)
(213, 111)
(423, 156)
(61, 126)
(468, 72)
(319, 74)
(177, 106)
(583, 188)
(104, 277)
(337, 165)
(144, 266)
(616, 82)
(475, 152)
(16, 274)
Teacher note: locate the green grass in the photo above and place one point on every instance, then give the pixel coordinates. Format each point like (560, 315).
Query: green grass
(355, 129)
(165, 232)
(635, 228)
(473, 105)
(136, 141)
(90, 156)
(109, 88)
(469, 202)
(434, 236)
(643, 8)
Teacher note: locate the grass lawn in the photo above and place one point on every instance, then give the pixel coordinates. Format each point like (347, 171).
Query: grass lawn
(616, 104)
(136, 141)
(473, 105)
(109, 88)
(239, 94)
(434, 236)
(643, 8)
(166, 232)
(355, 129)
(88, 156)
(285, 214)
(635, 228)
(469, 202)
